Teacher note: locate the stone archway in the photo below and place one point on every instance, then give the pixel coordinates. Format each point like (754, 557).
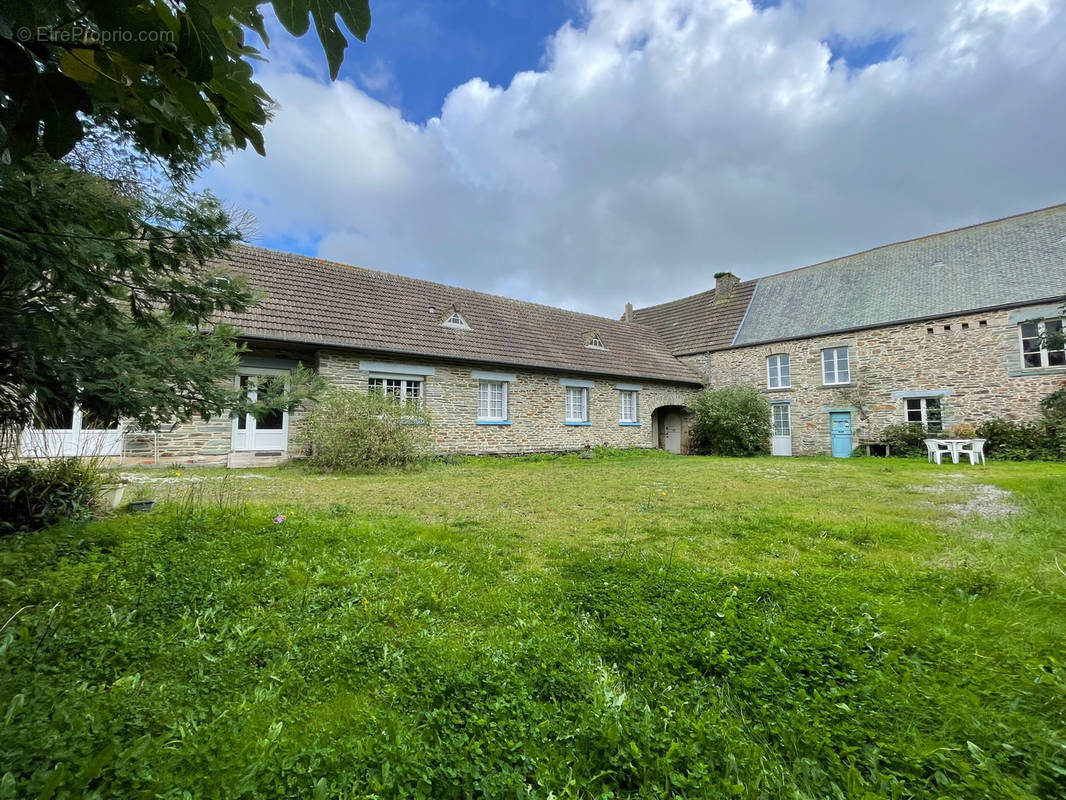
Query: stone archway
(670, 428)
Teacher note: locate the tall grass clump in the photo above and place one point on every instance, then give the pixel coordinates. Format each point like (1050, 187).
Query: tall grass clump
(353, 431)
(34, 495)
(734, 421)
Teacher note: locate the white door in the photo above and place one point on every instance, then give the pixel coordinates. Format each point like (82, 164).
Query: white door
(781, 438)
(74, 434)
(270, 431)
(672, 432)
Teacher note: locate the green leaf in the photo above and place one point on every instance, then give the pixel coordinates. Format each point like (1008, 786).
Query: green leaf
(292, 14)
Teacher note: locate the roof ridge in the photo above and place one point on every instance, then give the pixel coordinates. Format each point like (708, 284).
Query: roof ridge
(408, 278)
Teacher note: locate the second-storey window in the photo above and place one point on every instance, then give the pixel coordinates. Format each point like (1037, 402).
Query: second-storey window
(577, 407)
(1042, 344)
(778, 372)
(401, 390)
(492, 401)
(927, 412)
(627, 406)
(835, 367)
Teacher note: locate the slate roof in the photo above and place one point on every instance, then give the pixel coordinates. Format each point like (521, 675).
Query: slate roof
(324, 303)
(1012, 261)
(698, 323)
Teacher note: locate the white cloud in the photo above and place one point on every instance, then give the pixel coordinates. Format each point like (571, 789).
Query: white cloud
(669, 139)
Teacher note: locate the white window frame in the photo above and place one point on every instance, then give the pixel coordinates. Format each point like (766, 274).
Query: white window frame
(923, 407)
(485, 401)
(783, 410)
(632, 415)
(778, 365)
(572, 409)
(833, 354)
(456, 320)
(1041, 336)
(418, 383)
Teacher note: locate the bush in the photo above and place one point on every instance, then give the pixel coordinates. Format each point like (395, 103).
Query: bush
(353, 431)
(1023, 441)
(734, 421)
(36, 495)
(906, 439)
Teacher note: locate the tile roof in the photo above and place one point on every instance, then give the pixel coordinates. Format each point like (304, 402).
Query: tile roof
(1011, 261)
(698, 323)
(325, 303)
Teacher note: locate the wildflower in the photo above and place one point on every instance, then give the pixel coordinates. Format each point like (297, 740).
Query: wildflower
(177, 474)
(280, 518)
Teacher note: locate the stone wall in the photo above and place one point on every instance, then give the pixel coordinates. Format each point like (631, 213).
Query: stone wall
(536, 406)
(974, 360)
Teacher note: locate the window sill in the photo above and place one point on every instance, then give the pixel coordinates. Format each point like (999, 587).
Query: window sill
(630, 424)
(1024, 372)
(494, 422)
(781, 388)
(837, 386)
(568, 422)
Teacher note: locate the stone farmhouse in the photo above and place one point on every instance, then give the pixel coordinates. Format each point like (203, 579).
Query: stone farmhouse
(942, 330)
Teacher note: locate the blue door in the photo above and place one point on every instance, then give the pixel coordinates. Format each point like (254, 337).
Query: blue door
(840, 425)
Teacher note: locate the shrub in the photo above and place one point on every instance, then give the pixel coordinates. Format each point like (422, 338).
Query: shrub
(1054, 405)
(905, 439)
(734, 421)
(357, 431)
(36, 495)
(1022, 441)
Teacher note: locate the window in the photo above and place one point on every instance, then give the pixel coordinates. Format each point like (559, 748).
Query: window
(594, 341)
(1042, 344)
(781, 419)
(492, 401)
(835, 369)
(778, 374)
(401, 390)
(453, 319)
(927, 412)
(577, 407)
(627, 406)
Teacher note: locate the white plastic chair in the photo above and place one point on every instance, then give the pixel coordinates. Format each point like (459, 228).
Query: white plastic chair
(933, 451)
(975, 450)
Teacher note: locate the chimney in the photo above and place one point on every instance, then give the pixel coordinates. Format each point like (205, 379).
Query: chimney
(627, 315)
(724, 284)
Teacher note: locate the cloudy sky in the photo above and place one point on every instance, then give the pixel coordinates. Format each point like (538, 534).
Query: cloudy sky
(588, 153)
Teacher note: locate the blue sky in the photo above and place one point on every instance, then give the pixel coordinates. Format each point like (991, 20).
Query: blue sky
(586, 153)
(417, 52)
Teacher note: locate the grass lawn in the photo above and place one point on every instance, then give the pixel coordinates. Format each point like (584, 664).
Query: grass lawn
(632, 625)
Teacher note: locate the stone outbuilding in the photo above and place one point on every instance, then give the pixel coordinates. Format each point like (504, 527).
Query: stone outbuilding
(943, 330)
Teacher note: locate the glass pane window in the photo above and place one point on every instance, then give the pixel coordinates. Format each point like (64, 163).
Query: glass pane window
(627, 410)
(400, 390)
(782, 421)
(925, 411)
(576, 404)
(835, 366)
(492, 400)
(1042, 343)
(778, 373)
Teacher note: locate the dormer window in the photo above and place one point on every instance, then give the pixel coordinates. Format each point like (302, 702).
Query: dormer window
(453, 319)
(593, 341)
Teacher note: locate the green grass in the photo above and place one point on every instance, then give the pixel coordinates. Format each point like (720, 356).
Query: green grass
(632, 625)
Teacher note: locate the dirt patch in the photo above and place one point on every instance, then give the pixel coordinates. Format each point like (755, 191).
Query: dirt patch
(989, 502)
(145, 477)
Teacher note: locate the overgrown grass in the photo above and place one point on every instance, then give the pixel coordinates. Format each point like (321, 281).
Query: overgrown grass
(633, 625)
